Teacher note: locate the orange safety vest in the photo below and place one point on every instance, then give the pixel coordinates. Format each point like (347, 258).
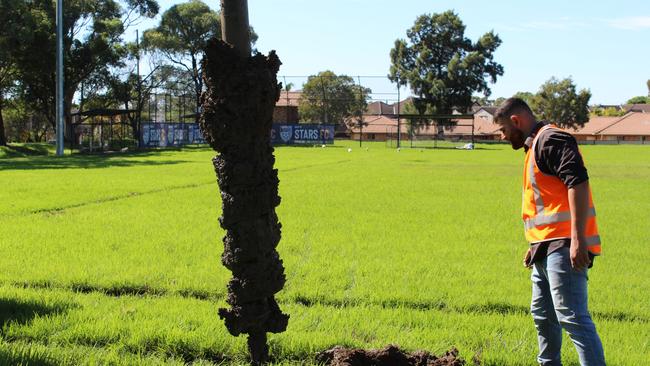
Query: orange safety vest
(545, 205)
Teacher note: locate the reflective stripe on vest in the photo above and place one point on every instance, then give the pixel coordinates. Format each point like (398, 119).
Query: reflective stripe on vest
(551, 220)
(541, 219)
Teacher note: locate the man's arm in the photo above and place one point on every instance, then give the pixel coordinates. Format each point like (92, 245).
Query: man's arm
(579, 206)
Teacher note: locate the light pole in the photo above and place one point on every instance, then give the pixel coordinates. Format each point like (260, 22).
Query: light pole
(59, 78)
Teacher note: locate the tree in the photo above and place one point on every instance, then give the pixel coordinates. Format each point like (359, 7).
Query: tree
(331, 98)
(639, 100)
(92, 44)
(608, 112)
(132, 92)
(182, 35)
(7, 78)
(413, 124)
(647, 83)
(8, 72)
(527, 97)
(443, 67)
(558, 102)
(498, 101)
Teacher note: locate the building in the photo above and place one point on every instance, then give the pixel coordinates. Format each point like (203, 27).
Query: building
(634, 128)
(484, 126)
(643, 108)
(378, 128)
(589, 132)
(381, 108)
(286, 108)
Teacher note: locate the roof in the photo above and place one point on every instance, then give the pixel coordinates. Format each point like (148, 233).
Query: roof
(380, 124)
(637, 108)
(381, 108)
(594, 125)
(490, 110)
(289, 98)
(618, 107)
(632, 124)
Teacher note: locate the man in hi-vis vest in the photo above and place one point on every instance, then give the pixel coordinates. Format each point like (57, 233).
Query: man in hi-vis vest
(560, 225)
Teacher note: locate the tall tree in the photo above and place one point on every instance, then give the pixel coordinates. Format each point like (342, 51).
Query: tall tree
(443, 67)
(6, 81)
(530, 98)
(182, 35)
(92, 44)
(331, 98)
(131, 91)
(647, 83)
(557, 101)
(640, 99)
(8, 75)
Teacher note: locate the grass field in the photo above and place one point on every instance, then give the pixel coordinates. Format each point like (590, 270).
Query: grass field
(115, 259)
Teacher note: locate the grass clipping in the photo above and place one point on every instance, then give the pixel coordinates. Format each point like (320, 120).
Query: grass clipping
(389, 356)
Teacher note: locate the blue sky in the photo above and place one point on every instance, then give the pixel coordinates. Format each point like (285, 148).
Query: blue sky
(602, 45)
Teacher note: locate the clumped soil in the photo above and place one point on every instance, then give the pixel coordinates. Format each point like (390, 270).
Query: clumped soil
(388, 356)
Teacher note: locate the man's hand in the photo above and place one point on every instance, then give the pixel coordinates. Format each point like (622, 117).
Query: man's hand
(579, 206)
(579, 255)
(527, 258)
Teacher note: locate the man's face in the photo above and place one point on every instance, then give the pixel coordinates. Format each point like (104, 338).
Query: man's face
(510, 132)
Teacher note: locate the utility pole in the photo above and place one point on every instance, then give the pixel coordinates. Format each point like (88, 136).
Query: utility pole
(60, 125)
(139, 103)
(234, 25)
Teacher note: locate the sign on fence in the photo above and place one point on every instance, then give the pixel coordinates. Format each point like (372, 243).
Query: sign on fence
(178, 134)
(289, 134)
(170, 134)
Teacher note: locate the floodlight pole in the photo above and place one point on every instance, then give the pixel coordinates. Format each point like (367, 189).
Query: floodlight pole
(60, 125)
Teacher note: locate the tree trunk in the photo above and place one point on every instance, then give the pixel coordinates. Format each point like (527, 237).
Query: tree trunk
(69, 134)
(3, 137)
(198, 88)
(236, 121)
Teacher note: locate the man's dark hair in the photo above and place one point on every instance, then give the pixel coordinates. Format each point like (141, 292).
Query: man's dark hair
(510, 107)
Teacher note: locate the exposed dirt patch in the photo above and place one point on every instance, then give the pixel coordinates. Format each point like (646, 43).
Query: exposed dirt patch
(388, 356)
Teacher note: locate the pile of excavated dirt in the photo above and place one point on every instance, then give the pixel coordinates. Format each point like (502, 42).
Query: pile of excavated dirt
(388, 356)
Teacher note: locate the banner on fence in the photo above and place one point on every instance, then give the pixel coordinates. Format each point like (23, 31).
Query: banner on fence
(290, 134)
(170, 134)
(178, 134)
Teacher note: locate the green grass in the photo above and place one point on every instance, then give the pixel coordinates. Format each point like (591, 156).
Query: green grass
(115, 259)
(14, 150)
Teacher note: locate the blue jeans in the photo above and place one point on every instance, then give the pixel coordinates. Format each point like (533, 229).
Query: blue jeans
(560, 301)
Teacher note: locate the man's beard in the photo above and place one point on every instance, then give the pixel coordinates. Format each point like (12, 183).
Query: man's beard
(517, 139)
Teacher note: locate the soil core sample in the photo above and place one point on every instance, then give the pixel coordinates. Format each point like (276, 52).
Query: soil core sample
(236, 121)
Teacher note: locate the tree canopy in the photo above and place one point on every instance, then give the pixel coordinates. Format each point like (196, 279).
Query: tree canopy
(557, 101)
(182, 35)
(443, 67)
(641, 99)
(330, 98)
(7, 66)
(92, 44)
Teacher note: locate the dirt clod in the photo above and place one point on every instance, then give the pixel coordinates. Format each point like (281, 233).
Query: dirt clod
(388, 356)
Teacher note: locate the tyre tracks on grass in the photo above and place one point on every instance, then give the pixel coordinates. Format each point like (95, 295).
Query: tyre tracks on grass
(60, 209)
(144, 290)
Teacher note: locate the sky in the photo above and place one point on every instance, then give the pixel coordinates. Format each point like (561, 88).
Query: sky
(602, 45)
